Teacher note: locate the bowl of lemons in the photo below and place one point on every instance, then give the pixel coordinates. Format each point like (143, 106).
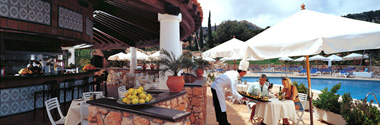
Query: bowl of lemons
(136, 97)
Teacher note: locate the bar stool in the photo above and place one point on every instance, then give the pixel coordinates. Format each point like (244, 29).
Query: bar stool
(49, 88)
(85, 85)
(68, 86)
(96, 82)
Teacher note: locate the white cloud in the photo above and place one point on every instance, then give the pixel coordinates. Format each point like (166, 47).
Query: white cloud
(269, 12)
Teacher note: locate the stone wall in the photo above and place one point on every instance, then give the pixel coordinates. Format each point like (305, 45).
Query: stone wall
(197, 100)
(106, 116)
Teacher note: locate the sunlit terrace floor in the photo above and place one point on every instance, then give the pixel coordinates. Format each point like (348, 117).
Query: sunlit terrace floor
(238, 114)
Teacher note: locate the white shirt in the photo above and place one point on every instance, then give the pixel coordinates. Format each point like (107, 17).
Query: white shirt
(255, 88)
(227, 80)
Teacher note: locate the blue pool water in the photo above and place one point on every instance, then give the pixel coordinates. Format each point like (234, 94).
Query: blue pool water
(357, 88)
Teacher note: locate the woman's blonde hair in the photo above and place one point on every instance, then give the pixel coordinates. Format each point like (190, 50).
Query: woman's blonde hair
(289, 81)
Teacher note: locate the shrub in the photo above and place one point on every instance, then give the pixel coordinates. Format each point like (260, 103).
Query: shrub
(359, 112)
(328, 100)
(301, 88)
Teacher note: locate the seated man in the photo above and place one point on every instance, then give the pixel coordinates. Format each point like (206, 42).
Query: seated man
(256, 88)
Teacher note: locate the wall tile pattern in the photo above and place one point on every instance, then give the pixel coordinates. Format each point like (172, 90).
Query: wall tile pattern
(69, 19)
(36, 11)
(89, 26)
(18, 100)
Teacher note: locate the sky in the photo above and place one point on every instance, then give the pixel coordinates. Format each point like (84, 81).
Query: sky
(265, 13)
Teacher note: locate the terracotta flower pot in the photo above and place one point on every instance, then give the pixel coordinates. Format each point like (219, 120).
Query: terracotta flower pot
(144, 66)
(175, 83)
(199, 72)
(151, 67)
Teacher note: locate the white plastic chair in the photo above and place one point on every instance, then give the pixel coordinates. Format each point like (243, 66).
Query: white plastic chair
(121, 91)
(84, 113)
(303, 99)
(51, 104)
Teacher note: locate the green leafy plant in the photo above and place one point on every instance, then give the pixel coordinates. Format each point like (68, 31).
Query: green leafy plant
(200, 63)
(359, 112)
(328, 100)
(301, 88)
(211, 76)
(171, 63)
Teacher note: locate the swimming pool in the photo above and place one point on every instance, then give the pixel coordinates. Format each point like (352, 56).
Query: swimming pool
(357, 88)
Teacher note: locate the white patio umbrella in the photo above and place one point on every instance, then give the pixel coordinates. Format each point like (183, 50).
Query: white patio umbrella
(309, 32)
(139, 55)
(155, 55)
(300, 59)
(354, 56)
(316, 58)
(285, 59)
(118, 57)
(233, 49)
(334, 58)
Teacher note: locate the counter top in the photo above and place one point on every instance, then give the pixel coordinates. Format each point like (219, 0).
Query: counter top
(28, 80)
(147, 110)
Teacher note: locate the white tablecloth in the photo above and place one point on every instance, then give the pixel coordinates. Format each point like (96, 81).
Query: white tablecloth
(363, 74)
(273, 111)
(73, 115)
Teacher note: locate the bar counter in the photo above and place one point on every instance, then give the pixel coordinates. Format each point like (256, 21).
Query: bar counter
(17, 92)
(167, 108)
(30, 80)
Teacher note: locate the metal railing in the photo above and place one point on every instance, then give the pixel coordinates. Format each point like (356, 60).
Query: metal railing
(373, 96)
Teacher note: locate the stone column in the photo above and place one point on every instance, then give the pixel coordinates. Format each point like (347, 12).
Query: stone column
(133, 61)
(72, 57)
(169, 39)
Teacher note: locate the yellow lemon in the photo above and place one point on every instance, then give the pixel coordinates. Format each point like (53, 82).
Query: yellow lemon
(139, 91)
(135, 101)
(142, 96)
(134, 92)
(130, 91)
(128, 101)
(126, 94)
(147, 99)
(125, 100)
(129, 97)
(150, 96)
(142, 101)
(142, 88)
(133, 96)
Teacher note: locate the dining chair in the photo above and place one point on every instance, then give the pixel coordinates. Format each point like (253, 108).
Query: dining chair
(121, 91)
(84, 113)
(303, 99)
(51, 104)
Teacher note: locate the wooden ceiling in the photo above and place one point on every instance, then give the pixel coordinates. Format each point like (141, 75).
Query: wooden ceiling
(135, 22)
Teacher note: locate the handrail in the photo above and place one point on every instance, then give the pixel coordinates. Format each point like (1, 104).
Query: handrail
(373, 96)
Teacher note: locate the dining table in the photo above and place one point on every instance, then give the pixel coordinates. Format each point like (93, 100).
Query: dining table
(73, 116)
(273, 110)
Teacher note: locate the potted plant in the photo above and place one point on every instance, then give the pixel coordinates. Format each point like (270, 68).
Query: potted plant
(200, 64)
(173, 65)
(328, 107)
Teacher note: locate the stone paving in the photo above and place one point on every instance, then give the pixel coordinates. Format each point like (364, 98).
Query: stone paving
(238, 114)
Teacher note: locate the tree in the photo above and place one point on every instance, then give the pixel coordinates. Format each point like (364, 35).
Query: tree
(201, 38)
(210, 41)
(242, 30)
(196, 41)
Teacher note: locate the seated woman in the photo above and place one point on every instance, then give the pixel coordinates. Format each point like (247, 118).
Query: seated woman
(291, 94)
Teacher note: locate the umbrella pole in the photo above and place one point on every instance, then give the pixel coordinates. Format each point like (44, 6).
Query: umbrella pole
(309, 94)
(234, 64)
